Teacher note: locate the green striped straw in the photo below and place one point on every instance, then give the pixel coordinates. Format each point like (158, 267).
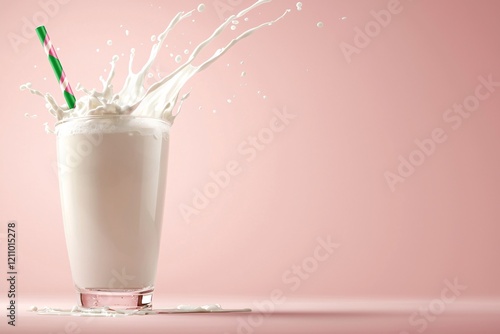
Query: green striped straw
(56, 66)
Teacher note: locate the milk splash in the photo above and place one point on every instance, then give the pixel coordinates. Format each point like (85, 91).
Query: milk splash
(160, 99)
(109, 312)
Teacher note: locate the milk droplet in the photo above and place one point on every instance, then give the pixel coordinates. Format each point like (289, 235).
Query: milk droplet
(153, 38)
(97, 50)
(33, 308)
(121, 25)
(233, 27)
(58, 49)
(246, 19)
(242, 62)
(214, 111)
(171, 54)
(178, 58)
(320, 24)
(186, 51)
(150, 75)
(235, 21)
(201, 7)
(299, 6)
(258, 92)
(109, 42)
(126, 32)
(264, 97)
(34, 66)
(243, 73)
(44, 78)
(343, 17)
(47, 130)
(200, 107)
(229, 101)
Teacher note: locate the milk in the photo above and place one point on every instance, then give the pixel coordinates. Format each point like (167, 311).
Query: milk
(112, 182)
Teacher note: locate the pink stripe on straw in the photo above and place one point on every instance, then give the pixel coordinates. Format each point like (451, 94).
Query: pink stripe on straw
(65, 84)
(49, 49)
(48, 46)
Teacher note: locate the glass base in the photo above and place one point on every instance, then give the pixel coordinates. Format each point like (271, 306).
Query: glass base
(116, 298)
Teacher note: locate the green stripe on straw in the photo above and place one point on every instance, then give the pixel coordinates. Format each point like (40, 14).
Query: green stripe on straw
(56, 66)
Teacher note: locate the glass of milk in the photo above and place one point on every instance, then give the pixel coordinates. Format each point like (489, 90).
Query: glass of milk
(112, 177)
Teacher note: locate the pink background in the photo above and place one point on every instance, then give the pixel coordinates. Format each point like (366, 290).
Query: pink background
(323, 175)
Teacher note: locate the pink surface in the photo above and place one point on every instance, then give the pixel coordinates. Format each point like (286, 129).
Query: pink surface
(361, 106)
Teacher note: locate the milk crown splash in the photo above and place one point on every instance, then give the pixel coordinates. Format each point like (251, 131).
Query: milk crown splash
(160, 99)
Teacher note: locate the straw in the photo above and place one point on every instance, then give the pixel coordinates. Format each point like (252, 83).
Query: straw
(69, 96)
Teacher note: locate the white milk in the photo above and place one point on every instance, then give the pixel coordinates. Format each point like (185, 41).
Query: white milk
(112, 174)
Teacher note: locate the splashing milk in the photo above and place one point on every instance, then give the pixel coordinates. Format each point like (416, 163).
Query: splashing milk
(160, 99)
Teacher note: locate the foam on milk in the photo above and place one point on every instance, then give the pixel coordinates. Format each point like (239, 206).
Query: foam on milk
(160, 99)
(108, 125)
